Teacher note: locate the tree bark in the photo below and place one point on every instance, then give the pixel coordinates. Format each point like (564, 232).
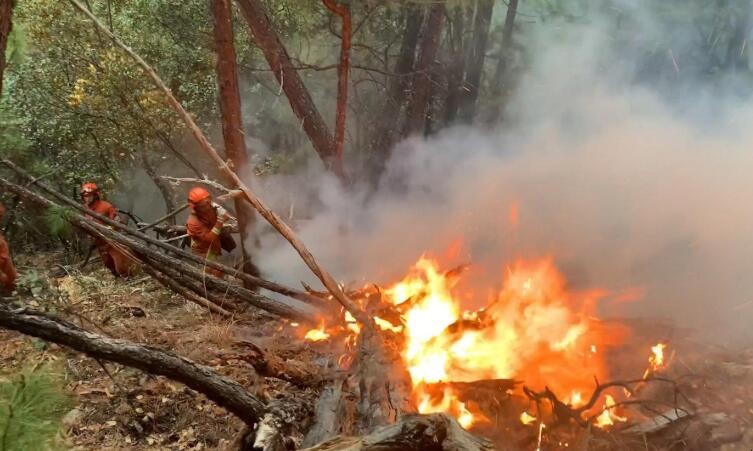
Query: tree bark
(457, 65)
(163, 186)
(416, 115)
(436, 432)
(501, 81)
(295, 90)
(223, 391)
(397, 92)
(475, 68)
(6, 24)
(232, 124)
(343, 68)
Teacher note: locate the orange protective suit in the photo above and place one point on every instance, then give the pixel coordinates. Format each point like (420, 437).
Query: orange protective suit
(116, 260)
(8, 274)
(204, 227)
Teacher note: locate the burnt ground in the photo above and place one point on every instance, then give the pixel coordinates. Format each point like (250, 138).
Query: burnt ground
(122, 408)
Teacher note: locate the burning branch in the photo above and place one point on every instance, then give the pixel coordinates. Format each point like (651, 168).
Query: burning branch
(327, 280)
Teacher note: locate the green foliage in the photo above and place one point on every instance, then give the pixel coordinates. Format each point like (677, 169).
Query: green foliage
(32, 404)
(56, 219)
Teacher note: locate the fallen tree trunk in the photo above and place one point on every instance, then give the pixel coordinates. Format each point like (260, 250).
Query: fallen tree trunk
(436, 432)
(223, 391)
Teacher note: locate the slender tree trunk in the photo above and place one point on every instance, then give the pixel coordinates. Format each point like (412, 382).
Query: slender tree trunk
(416, 114)
(397, 92)
(164, 187)
(6, 15)
(501, 82)
(232, 125)
(457, 65)
(343, 69)
(475, 68)
(298, 95)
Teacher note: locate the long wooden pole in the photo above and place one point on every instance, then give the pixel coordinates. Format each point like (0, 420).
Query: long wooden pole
(327, 280)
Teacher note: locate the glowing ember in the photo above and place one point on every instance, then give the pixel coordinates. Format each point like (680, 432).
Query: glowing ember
(317, 334)
(527, 419)
(534, 329)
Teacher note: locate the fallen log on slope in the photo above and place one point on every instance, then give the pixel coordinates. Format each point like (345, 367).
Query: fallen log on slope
(436, 432)
(223, 391)
(293, 309)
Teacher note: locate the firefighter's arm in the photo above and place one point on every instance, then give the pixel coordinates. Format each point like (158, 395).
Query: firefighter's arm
(7, 269)
(200, 233)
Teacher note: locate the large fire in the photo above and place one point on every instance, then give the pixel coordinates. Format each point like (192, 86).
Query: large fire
(533, 330)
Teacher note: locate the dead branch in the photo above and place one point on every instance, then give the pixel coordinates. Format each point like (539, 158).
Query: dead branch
(163, 219)
(205, 181)
(223, 391)
(327, 280)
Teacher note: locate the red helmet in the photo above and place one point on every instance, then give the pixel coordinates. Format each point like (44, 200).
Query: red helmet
(89, 188)
(198, 194)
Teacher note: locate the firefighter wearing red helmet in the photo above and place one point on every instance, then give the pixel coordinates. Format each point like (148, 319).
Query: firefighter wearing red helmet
(115, 259)
(8, 274)
(204, 225)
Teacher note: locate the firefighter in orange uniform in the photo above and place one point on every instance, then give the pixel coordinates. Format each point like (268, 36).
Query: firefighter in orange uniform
(116, 260)
(204, 226)
(8, 274)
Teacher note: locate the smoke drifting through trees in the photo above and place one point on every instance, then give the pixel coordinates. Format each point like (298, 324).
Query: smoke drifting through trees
(626, 190)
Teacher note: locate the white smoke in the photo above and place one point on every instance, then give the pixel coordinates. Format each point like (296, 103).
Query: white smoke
(623, 189)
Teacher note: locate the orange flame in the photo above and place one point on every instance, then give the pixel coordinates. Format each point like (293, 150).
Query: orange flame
(317, 334)
(608, 416)
(534, 330)
(656, 359)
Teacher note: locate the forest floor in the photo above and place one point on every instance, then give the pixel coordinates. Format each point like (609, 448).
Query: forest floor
(122, 408)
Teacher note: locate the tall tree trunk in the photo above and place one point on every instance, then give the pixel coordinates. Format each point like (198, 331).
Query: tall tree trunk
(232, 125)
(475, 68)
(162, 185)
(397, 92)
(501, 82)
(457, 65)
(343, 69)
(416, 114)
(6, 15)
(300, 100)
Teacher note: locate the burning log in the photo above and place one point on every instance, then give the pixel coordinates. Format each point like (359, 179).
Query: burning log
(223, 391)
(416, 432)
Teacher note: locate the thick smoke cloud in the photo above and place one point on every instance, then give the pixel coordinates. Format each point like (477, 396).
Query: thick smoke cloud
(626, 191)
